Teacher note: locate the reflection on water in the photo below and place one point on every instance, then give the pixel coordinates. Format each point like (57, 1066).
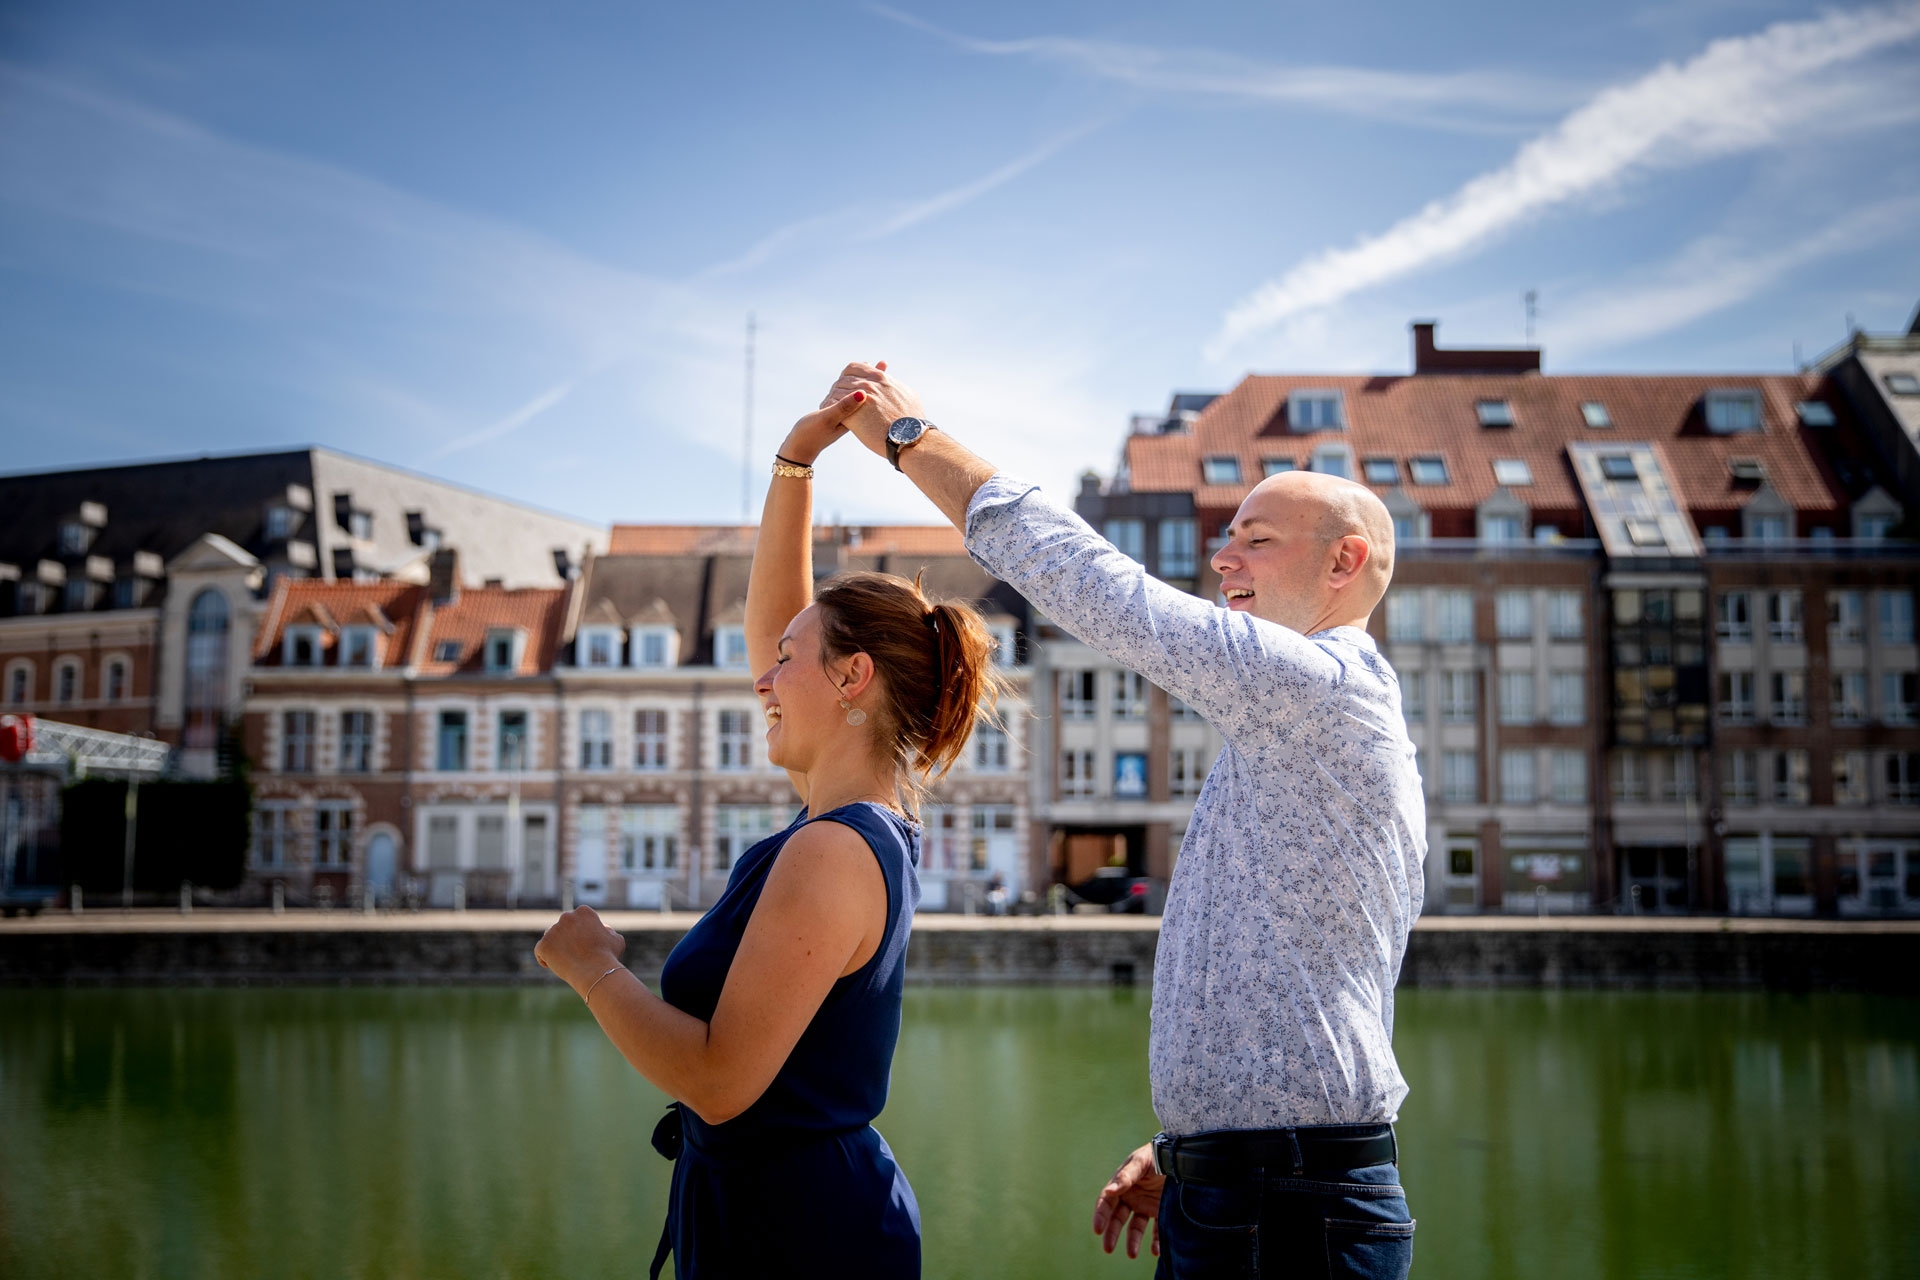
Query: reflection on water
(465, 1133)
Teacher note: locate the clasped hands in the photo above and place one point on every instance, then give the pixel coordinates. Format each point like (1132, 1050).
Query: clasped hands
(863, 400)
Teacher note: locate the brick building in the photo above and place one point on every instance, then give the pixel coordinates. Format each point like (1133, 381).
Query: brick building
(1607, 617)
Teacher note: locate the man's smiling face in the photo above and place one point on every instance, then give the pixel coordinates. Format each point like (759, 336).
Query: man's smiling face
(1283, 559)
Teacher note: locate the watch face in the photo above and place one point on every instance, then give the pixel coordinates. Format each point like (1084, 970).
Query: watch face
(906, 430)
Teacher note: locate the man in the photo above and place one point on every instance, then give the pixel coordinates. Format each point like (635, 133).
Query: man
(1271, 1055)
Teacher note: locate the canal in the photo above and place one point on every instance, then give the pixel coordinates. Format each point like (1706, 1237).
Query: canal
(493, 1133)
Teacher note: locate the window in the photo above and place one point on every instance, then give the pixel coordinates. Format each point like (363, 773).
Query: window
(1897, 696)
(1511, 471)
(510, 742)
(1456, 696)
(273, 835)
(1381, 471)
(1850, 777)
(649, 834)
(1766, 528)
(280, 523)
(991, 753)
(1850, 697)
(1459, 777)
(1596, 414)
(1179, 539)
(1129, 695)
(1006, 649)
(1569, 777)
(296, 741)
(1783, 617)
(1427, 470)
(655, 646)
(1814, 413)
(1501, 529)
(1403, 616)
(1629, 777)
(356, 741)
(1872, 527)
(1274, 466)
(1732, 411)
(1220, 469)
(1334, 460)
(596, 738)
(114, 687)
(1494, 413)
(600, 647)
(1715, 536)
(1564, 621)
(1076, 695)
(1516, 777)
(1187, 770)
(1315, 411)
(1516, 697)
(1736, 697)
(1787, 697)
(66, 681)
(1740, 777)
(356, 647)
(1790, 771)
(1408, 527)
(20, 684)
(1453, 617)
(737, 828)
(1734, 622)
(1677, 782)
(1129, 537)
(730, 647)
(1413, 695)
(1903, 777)
(1513, 615)
(451, 754)
(206, 700)
(650, 748)
(443, 840)
(1076, 774)
(503, 651)
(1567, 697)
(1846, 618)
(332, 834)
(734, 740)
(1903, 384)
(302, 647)
(447, 651)
(1645, 533)
(1896, 617)
(1618, 466)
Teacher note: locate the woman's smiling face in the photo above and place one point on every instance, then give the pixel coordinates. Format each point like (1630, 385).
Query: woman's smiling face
(801, 698)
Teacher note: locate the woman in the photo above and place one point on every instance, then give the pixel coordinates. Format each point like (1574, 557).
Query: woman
(782, 1005)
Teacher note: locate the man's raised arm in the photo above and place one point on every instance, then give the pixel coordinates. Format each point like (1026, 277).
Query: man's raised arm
(1228, 666)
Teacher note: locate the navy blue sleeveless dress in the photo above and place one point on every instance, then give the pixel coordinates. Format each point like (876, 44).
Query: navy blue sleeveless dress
(799, 1184)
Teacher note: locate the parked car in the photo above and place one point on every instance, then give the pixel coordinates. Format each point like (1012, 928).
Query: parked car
(1119, 890)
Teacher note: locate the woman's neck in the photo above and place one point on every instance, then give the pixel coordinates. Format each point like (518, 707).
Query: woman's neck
(830, 789)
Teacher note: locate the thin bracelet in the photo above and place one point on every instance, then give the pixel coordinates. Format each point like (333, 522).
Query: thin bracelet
(781, 457)
(597, 981)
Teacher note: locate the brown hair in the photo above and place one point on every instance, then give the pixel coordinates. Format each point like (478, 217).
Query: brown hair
(934, 660)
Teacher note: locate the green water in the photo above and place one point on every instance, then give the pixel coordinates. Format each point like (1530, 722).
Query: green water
(494, 1133)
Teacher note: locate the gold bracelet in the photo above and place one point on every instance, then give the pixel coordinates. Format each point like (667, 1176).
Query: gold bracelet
(791, 470)
(597, 981)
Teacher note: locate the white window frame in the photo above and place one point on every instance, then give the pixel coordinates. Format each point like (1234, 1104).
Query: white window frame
(1512, 473)
(649, 839)
(116, 670)
(1733, 617)
(730, 647)
(1787, 697)
(649, 639)
(314, 639)
(1569, 778)
(359, 647)
(276, 834)
(1518, 780)
(1129, 695)
(1128, 534)
(1459, 777)
(1079, 694)
(1895, 610)
(1495, 412)
(1179, 546)
(1899, 694)
(1308, 410)
(738, 827)
(594, 733)
(299, 740)
(1717, 406)
(1406, 616)
(1736, 703)
(992, 748)
(63, 667)
(598, 647)
(1517, 697)
(1513, 615)
(1220, 469)
(1457, 697)
(1849, 703)
(515, 641)
(20, 681)
(333, 831)
(1079, 773)
(653, 747)
(1334, 460)
(1453, 617)
(733, 739)
(356, 749)
(1786, 617)
(1566, 697)
(1846, 618)
(1791, 777)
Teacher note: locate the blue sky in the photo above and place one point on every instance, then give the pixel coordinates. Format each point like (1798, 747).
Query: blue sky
(515, 245)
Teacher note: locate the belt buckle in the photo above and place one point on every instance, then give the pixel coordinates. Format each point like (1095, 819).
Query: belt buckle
(1163, 1155)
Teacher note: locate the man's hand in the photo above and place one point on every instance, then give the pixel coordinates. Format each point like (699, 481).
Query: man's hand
(1131, 1200)
(886, 401)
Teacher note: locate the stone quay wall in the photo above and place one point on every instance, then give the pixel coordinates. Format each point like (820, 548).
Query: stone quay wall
(477, 947)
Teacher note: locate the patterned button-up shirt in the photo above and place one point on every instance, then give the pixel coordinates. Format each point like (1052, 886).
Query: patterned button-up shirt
(1300, 873)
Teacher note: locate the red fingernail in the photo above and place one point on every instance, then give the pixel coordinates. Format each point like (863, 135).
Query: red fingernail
(859, 396)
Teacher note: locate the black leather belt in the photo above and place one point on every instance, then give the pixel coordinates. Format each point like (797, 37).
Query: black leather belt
(1228, 1156)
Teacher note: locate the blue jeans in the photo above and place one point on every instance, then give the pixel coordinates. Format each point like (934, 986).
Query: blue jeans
(1351, 1226)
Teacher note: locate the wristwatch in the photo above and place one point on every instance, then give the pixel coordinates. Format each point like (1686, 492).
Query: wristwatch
(904, 432)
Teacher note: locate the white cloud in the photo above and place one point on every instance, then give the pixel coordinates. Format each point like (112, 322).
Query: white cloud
(1740, 94)
(1409, 97)
(967, 192)
(512, 422)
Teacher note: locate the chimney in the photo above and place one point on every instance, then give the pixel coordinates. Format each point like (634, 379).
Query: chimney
(1429, 358)
(443, 575)
(1423, 345)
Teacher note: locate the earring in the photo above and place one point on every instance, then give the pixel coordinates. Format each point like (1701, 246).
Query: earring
(855, 716)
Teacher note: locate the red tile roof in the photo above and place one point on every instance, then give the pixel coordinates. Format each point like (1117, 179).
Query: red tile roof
(312, 601)
(418, 625)
(540, 612)
(1401, 417)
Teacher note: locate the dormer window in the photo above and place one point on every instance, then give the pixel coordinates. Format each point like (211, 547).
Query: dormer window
(1381, 471)
(302, 647)
(1903, 384)
(280, 522)
(1334, 460)
(1316, 411)
(1746, 470)
(447, 651)
(600, 647)
(359, 647)
(1511, 472)
(1220, 469)
(1428, 470)
(1645, 533)
(730, 647)
(656, 647)
(1596, 415)
(1274, 466)
(1618, 467)
(1494, 413)
(75, 538)
(1729, 412)
(504, 646)
(1814, 413)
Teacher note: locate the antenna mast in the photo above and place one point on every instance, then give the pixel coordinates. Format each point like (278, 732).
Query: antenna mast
(1532, 297)
(746, 448)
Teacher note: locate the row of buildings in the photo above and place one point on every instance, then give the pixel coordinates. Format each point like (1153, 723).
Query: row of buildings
(1655, 635)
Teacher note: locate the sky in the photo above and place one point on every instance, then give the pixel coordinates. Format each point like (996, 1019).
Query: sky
(516, 246)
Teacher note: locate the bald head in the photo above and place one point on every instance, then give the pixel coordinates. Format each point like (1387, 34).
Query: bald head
(1322, 544)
